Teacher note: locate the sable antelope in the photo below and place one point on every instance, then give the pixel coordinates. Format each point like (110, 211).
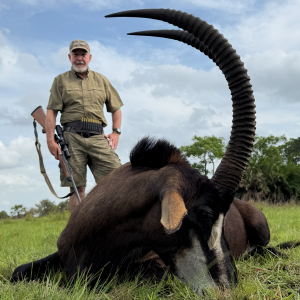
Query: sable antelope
(246, 228)
(158, 201)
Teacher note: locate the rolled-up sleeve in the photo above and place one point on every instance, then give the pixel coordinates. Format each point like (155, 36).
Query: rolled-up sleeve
(55, 99)
(113, 101)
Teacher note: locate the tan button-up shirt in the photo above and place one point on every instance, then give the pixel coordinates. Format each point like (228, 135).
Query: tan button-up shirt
(75, 97)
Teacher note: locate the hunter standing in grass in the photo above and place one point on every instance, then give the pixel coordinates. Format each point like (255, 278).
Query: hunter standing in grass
(80, 95)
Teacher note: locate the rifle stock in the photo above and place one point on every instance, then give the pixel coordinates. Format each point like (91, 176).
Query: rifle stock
(63, 165)
(39, 115)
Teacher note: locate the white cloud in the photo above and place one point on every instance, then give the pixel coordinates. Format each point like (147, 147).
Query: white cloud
(16, 180)
(25, 82)
(19, 152)
(181, 81)
(275, 26)
(25, 185)
(113, 64)
(275, 74)
(19, 70)
(60, 58)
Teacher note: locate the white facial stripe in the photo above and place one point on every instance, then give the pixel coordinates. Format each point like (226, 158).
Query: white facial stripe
(191, 267)
(214, 243)
(216, 232)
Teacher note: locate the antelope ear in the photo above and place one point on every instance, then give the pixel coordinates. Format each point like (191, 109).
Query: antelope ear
(172, 211)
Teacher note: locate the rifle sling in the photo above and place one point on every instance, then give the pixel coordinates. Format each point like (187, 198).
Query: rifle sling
(42, 167)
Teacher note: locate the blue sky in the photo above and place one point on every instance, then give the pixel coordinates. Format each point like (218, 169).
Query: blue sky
(168, 88)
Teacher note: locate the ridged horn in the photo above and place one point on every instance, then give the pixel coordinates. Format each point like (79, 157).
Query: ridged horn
(181, 36)
(234, 162)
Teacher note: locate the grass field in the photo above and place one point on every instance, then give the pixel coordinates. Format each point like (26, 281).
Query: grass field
(267, 277)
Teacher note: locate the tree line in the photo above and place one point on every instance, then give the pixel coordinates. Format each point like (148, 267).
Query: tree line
(43, 208)
(273, 170)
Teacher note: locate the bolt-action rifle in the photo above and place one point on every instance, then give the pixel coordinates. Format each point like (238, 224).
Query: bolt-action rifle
(39, 116)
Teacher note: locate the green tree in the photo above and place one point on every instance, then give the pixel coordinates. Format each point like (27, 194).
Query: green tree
(63, 205)
(271, 173)
(45, 207)
(31, 212)
(206, 149)
(3, 215)
(291, 150)
(18, 211)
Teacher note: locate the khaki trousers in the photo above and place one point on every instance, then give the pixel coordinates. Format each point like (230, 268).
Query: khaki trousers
(93, 152)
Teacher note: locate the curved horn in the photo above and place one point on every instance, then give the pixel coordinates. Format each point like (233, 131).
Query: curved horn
(181, 36)
(234, 162)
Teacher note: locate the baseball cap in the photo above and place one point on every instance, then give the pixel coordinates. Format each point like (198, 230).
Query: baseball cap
(79, 44)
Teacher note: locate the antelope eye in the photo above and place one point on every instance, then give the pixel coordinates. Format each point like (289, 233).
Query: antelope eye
(206, 214)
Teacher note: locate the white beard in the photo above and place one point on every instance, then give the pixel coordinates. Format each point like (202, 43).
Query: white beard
(80, 69)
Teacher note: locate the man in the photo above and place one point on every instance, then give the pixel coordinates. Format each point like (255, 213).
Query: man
(79, 95)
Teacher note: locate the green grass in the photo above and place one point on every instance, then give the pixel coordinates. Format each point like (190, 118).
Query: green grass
(267, 277)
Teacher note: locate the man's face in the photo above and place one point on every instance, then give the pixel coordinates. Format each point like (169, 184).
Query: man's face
(80, 60)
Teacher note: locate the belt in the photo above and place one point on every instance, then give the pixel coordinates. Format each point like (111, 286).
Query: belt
(83, 134)
(84, 128)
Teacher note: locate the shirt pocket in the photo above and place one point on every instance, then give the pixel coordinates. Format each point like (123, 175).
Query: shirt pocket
(72, 97)
(96, 96)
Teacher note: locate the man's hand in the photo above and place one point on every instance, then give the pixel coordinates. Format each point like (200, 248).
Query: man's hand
(113, 140)
(54, 149)
(50, 127)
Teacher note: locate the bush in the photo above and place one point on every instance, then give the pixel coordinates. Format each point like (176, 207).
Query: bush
(45, 207)
(3, 215)
(63, 205)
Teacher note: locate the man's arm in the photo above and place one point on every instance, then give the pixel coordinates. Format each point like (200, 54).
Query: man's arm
(50, 128)
(114, 137)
